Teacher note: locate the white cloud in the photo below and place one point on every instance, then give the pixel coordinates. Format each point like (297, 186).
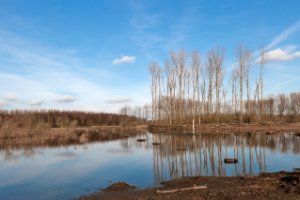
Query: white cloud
(284, 35)
(280, 55)
(119, 100)
(35, 72)
(66, 99)
(10, 97)
(2, 104)
(36, 103)
(124, 60)
(296, 54)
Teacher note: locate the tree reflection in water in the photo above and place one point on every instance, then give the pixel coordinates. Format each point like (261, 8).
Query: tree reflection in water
(176, 156)
(203, 155)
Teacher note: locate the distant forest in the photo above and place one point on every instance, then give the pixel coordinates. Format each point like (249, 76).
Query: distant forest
(190, 88)
(60, 119)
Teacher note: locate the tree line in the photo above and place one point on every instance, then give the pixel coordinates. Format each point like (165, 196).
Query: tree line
(188, 88)
(55, 119)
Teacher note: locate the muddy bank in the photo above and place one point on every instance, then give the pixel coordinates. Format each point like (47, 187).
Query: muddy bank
(64, 136)
(281, 185)
(228, 128)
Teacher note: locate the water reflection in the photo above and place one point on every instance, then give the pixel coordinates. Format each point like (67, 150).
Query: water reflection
(66, 155)
(11, 155)
(64, 172)
(203, 155)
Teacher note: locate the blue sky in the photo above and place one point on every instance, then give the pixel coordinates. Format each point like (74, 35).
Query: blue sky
(94, 55)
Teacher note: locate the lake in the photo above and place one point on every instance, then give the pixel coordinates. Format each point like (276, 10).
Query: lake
(67, 172)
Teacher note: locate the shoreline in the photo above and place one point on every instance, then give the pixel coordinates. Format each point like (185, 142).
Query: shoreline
(226, 128)
(68, 136)
(277, 185)
(82, 135)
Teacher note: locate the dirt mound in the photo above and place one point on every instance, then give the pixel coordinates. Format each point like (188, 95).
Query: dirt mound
(119, 186)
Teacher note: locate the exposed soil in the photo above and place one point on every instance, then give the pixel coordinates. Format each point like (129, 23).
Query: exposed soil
(64, 136)
(281, 185)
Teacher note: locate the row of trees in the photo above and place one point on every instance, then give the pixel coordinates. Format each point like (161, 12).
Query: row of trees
(135, 115)
(54, 118)
(188, 89)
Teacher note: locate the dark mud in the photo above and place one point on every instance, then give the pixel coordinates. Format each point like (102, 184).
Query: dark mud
(281, 185)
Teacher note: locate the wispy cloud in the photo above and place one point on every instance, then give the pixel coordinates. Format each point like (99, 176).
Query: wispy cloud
(282, 82)
(12, 97)
(155, 33)
(284, 35)
(36, 103)
(119, 100)
(143, 20)
(3, 104)
(124, 59)
(35, 71)
(66, 99)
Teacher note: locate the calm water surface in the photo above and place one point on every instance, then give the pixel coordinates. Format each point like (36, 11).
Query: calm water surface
(70, 171)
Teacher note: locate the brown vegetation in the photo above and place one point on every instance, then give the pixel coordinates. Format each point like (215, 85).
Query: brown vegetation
(56, 127)
(59, 136)
(64, 136)
(227, 128)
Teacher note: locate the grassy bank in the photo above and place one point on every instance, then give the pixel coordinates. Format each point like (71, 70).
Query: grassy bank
(63, 136)
(53, 127)
(225, 128)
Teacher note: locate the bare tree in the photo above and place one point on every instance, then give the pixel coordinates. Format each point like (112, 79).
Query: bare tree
(196, 66)
(261, 84)
(294, 106)
(248, 62)
(186, 91)
(269, 104)
(234, 78)
(187, 100)
(155, 73)
(179, 62)
(210, 75)
(203, 89)
(244, 60)
(218, 58)
(241, 77)
(281, 104)
(170, 88)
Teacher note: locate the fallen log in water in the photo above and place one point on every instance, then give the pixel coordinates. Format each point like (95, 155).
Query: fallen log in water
(230, 160)
(195, 187)
(297, 134)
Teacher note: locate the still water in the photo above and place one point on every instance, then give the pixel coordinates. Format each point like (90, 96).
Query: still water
(70, 171)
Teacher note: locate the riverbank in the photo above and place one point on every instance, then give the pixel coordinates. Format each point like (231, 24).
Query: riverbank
(280, 185)
(64, 136)
(226, 128)
(79, 135)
